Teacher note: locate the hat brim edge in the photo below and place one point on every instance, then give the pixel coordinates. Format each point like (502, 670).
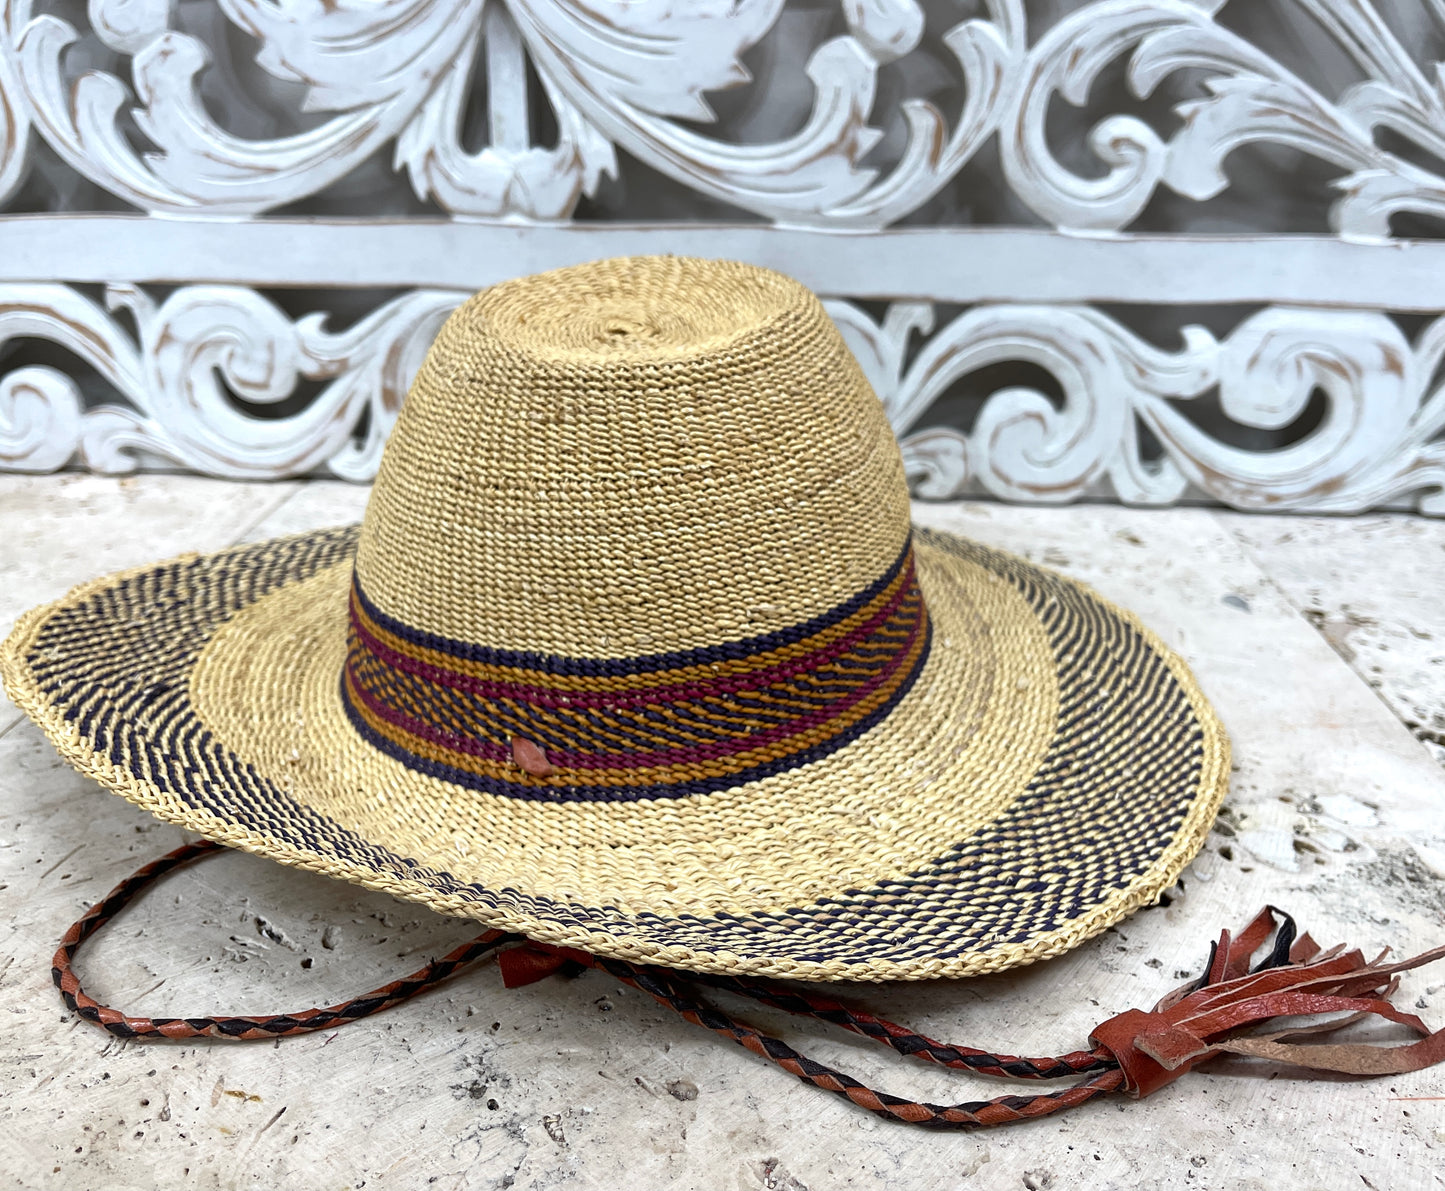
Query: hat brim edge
(22, 688)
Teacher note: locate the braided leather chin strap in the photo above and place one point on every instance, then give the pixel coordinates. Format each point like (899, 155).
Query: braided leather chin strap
(1135, 1052)
(276, 1025)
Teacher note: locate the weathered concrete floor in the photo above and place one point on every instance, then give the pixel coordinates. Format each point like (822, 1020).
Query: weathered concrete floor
(1319, 641)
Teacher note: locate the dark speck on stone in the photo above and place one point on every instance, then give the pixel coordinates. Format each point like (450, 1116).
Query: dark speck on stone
(682, 1089)
(1236, 601)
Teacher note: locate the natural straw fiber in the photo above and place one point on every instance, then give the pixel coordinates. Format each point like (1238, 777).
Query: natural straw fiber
(636, 652)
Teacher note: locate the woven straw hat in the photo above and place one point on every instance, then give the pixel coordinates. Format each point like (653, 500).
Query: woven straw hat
(637, 652)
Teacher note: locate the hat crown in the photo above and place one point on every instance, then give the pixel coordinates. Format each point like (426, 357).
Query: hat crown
(635, 456)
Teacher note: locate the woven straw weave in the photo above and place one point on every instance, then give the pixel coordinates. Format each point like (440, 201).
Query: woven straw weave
(647, 516)
(635, 458)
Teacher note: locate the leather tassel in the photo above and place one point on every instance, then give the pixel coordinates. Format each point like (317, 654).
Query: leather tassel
(530, 962)
(1206, 1017)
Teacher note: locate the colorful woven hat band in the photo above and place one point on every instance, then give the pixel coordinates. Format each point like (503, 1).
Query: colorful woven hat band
(659, 726)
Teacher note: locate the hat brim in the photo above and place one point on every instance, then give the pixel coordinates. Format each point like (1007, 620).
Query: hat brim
(1053, 768)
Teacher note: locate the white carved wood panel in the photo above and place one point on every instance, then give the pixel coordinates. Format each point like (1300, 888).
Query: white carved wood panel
(1149, 249)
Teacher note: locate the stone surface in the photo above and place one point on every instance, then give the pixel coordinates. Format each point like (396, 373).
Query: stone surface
(1373, 587)
(57, 531)
(1334, 815)
(314, 505)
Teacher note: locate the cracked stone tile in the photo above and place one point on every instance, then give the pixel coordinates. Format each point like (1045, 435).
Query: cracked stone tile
(1372, 586)
(317, 504)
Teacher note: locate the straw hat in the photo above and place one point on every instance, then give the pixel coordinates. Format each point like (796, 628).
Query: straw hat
(637, 652)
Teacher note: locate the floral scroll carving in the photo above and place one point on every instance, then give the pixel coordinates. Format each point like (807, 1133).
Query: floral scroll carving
(1376, 441)
(619, 74)
(192, 366)
(198, 364)
(1249, 97)
(399, 70)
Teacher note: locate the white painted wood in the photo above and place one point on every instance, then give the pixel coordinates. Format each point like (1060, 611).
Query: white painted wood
(634, 75)
(187, 355)
(581, 1089)
(620, 75)
(1375, 441)
(825, 180)
(955, 264)
(1249, 97)
(506, 81)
